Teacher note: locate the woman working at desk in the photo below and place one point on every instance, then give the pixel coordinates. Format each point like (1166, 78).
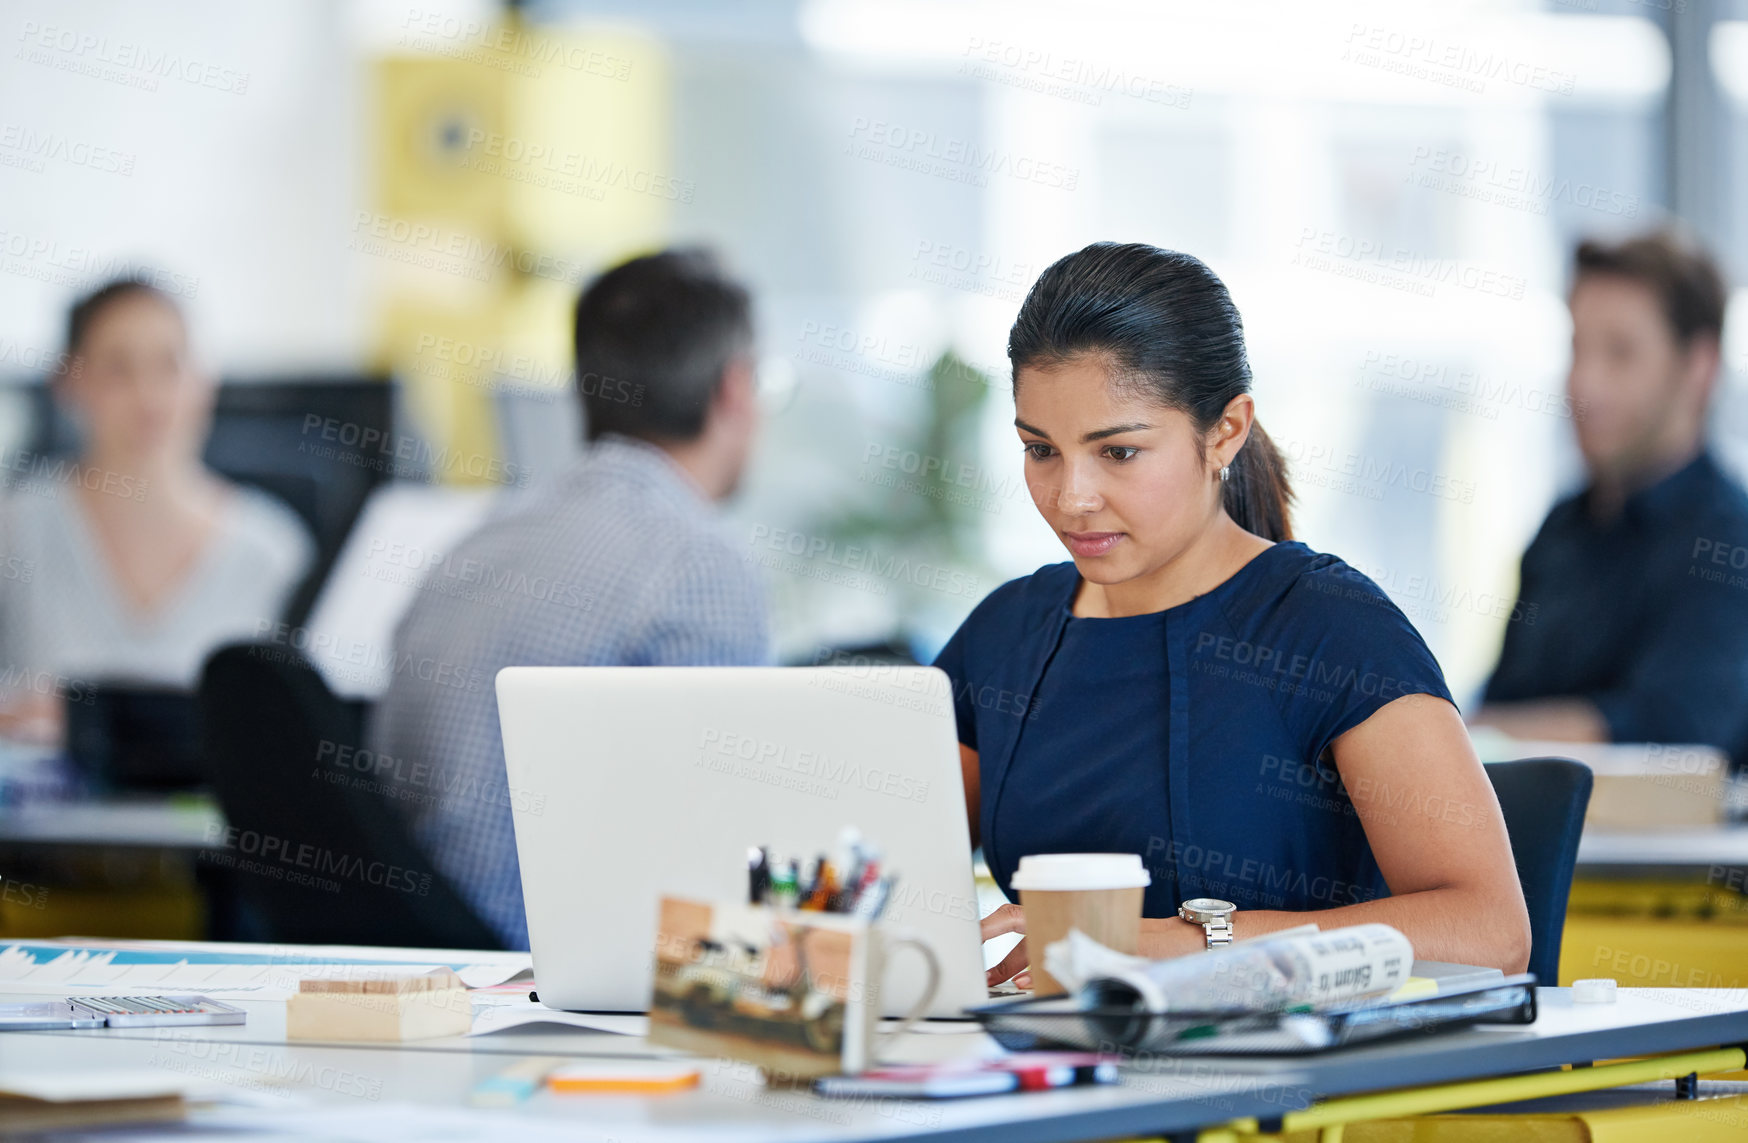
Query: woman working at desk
(1255, 719)
(140, 561)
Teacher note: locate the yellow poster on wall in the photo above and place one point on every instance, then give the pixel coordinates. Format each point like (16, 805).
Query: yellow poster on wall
(512, 165)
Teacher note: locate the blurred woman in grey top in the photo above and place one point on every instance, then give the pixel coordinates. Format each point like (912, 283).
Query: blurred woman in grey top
(621, 560)
(131, 562)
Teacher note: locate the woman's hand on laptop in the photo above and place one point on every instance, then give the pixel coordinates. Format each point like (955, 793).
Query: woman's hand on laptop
(1161, 937)
(1008, 919)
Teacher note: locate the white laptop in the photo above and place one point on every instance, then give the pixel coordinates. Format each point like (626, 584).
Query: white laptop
(630, 783)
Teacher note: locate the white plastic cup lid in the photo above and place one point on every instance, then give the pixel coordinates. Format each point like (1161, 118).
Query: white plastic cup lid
(1600, 991)
(1059, 872)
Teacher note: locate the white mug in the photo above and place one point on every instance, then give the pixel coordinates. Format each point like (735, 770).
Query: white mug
(799, 993)
(872, 947)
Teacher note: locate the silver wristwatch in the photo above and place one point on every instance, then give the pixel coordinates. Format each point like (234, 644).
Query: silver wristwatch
(1213, 915)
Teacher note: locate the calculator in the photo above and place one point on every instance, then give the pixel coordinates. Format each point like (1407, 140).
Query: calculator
(155, 1011)
(117, 1012)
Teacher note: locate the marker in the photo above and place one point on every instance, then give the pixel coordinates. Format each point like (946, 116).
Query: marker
(758, 875)
(1042, 1071)
(824, 888)
(871, 904)
(804, 888)
(514, 1084)
(783, 886)
(860, 887)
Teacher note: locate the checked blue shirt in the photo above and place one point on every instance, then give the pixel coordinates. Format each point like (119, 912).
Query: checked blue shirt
(621, 561)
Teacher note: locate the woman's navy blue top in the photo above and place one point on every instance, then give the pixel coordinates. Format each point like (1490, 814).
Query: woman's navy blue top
(1196, 737)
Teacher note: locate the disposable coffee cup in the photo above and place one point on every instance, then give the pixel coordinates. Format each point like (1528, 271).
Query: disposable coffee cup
(1097, 893)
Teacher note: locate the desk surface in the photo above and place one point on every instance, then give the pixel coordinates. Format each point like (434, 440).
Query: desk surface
(191, 822)
(430, 1081)
(166, 823)
(384, 1093)
(1692, 847)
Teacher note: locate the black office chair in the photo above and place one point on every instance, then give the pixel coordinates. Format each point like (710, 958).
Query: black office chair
(313, 847)
(124, 736)
(1543, 800)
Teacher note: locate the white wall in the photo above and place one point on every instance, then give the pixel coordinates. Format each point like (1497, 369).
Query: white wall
(232, 137)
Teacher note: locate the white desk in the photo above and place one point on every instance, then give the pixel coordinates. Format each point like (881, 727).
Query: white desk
(382, 1094)
(190, 824)
(150, 822)
(1691, 848)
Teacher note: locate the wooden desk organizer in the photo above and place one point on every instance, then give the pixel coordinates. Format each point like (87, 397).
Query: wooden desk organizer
(402, 1006)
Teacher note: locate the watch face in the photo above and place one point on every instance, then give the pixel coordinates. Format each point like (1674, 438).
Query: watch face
(1210, 905)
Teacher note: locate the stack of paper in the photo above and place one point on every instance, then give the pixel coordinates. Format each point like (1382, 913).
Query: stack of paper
(238, 972)
(48, 1101)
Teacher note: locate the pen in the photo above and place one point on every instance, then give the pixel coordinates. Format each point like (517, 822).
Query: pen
(870, 875)
(852, 858)
(1045, 1075)
(861, 890)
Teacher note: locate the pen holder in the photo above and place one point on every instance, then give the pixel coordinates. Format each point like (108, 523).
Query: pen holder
(797, 993)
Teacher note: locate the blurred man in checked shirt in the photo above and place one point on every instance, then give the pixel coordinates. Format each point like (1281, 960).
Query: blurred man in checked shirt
(620, 561)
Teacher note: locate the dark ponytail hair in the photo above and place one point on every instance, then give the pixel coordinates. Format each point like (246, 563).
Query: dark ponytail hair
(1169, 329)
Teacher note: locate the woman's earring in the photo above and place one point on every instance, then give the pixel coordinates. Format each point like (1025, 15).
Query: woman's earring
(1225, 473)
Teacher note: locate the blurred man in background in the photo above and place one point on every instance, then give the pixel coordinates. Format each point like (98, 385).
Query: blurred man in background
(619, 562)
(1641, 630)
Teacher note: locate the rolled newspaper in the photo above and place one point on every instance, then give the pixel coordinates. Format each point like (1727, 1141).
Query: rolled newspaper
(1265, 974)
